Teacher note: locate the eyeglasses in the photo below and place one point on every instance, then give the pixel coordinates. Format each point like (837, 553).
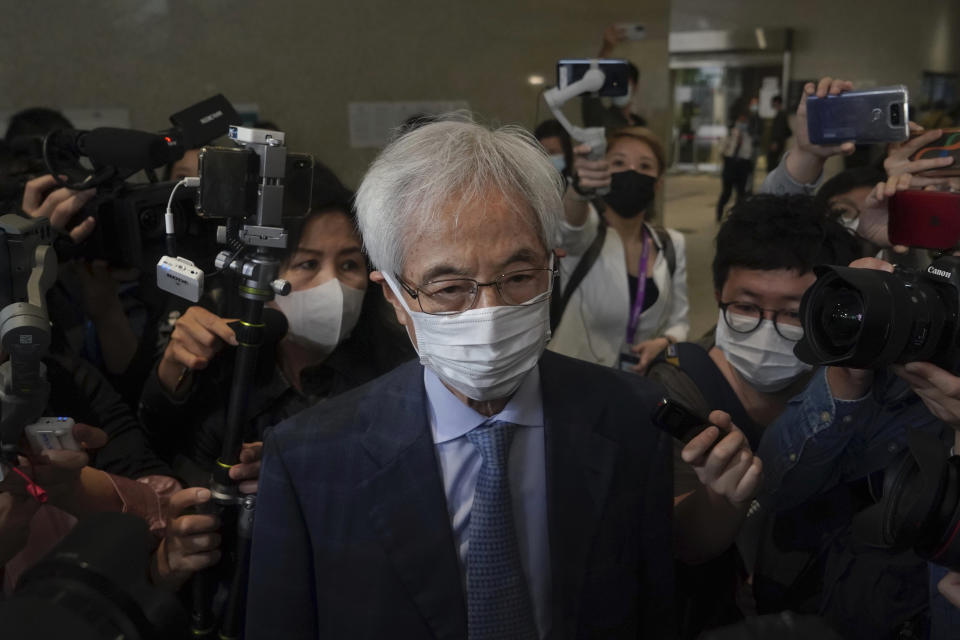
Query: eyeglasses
(744, 317)
(456, 295)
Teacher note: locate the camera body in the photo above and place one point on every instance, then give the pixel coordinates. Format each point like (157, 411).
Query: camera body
(868, 319)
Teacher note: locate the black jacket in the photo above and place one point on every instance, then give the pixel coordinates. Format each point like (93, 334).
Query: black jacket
(193, 426)
(353, 540)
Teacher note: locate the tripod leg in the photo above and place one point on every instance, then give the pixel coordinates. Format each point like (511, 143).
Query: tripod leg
(232, 627)
(204, 585)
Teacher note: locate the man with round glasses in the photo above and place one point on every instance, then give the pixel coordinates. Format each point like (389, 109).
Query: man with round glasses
(766, 250)
(490, 490)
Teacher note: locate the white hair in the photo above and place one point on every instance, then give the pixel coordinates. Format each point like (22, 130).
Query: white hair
(435, 170)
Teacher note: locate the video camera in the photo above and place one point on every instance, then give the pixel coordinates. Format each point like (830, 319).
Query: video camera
(128, 215)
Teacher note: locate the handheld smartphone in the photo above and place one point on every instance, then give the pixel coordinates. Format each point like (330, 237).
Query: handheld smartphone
(229, 181)
(947, 145)
(617, 73)
(52, 434)
(680, 422)
(867, 117)
(926, 219)
(627, 362)
(632, 30)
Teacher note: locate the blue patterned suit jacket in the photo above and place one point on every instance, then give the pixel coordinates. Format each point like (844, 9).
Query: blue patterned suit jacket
(352, 537)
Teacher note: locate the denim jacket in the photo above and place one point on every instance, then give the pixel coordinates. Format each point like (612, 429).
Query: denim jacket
(819, 441)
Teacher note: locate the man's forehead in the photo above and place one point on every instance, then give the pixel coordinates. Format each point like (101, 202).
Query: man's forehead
(784, 283)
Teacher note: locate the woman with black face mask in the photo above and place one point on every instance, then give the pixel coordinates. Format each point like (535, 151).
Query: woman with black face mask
(624, 280)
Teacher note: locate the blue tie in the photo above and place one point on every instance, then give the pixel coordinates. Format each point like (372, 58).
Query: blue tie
(498, 602)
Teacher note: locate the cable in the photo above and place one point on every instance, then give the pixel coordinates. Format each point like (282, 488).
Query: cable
(168, 216)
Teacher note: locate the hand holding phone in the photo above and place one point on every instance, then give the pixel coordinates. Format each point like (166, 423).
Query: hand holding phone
(725, 465)
(947, 145)
(864, 117)
(679, 421)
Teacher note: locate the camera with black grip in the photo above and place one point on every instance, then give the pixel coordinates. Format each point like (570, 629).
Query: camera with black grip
(868, 319)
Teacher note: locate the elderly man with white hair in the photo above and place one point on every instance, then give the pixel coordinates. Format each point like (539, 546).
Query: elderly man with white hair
(490, 490)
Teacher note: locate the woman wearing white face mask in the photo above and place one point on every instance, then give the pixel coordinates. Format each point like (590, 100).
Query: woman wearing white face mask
(336, 339)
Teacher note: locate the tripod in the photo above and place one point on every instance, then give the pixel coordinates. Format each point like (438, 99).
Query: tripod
(256, 260)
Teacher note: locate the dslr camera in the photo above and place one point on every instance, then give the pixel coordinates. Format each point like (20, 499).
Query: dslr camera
(868, 319)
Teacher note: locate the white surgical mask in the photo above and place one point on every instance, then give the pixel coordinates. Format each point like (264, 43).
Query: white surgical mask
(323, 316)
(559, 162)
(623, 101)
(850, 223)
(482, 353)
(763, 357)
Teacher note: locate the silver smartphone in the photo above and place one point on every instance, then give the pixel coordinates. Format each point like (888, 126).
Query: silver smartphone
(864, 117)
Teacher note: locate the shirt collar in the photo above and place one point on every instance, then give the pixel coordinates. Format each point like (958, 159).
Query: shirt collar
(450, 418)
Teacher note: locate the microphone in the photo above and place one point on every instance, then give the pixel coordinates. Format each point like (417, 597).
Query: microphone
(128, 148)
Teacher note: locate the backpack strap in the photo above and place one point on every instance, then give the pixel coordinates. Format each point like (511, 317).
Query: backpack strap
(669, 251)
(558, 303)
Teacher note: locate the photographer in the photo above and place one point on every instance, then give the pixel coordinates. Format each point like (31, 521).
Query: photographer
(847, 425)
(337, 339)
(86, 303)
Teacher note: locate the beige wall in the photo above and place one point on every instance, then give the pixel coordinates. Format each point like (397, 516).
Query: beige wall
(303, 62)
(869, 41)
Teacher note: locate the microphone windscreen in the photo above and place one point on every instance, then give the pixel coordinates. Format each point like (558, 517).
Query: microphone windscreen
(129, 149)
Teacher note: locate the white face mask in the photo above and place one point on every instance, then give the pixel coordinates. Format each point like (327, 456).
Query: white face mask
(482, 353)
(850, 223)
(559, 162)
(623, 101)
(763, 357)
(322, 316)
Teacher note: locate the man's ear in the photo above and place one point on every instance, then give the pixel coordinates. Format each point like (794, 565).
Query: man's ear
(716, 296)
(402, 316)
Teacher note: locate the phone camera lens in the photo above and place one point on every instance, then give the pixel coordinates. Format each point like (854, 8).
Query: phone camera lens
(895, 114)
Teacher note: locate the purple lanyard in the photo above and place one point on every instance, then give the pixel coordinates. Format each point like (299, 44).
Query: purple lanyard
(641, 289)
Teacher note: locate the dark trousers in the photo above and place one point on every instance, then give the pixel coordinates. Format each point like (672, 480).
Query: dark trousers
(735, 174)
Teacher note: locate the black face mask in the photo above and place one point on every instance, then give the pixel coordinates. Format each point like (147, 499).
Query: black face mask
(630, 193)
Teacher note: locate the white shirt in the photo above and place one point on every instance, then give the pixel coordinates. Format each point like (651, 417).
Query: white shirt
(594, 324)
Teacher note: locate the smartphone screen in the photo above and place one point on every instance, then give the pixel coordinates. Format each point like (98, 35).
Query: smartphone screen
(228, 182)
(877, 115)
(617, 73)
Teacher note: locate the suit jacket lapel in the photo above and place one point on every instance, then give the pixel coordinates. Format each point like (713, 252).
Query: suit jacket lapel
(579, 468)
(408, 504)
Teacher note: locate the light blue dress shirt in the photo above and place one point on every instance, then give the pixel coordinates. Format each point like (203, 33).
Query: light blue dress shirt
(450, 420)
